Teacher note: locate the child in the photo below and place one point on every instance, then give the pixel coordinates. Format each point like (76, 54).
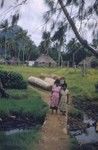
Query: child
(55, 96)
(63, 82)
(64, 99)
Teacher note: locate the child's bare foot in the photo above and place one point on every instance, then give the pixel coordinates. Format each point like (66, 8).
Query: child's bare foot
(52, 112)
(56, 111)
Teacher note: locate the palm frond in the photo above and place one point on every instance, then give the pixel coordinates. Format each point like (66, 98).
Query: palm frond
(15, 19)
(2, 3)
(96, 7)
(69, 2)
(50, 3)
(4, 24)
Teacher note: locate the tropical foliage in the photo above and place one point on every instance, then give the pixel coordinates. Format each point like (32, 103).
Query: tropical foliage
(76, 14)
(16, 43)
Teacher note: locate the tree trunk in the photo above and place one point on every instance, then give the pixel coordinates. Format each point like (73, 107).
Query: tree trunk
(72, 24)
(2, 91)
(5, 47)
(59, 55)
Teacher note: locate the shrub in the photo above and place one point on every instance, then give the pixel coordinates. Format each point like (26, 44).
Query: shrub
(75, 113)
(73, 144)
(96, 87)
(12, 80)
(94, 63)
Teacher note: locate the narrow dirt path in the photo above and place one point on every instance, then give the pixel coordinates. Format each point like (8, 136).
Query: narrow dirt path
(52, 133)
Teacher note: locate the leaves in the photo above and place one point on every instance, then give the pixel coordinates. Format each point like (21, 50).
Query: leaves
(68, 2)
(4, 25)
(96, 6)
(76, 2)
(50, 3)
(18, 42)
(15, 19)
(47, 16)
(59, 34)
(2, 3)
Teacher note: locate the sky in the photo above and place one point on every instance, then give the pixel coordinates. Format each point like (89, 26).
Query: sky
(31, 18)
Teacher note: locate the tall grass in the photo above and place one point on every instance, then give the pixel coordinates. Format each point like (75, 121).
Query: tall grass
(19, 141)
(77, 84)
(30, 101)
(24, 101)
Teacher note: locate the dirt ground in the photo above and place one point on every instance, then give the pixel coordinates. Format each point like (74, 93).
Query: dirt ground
(53, 136)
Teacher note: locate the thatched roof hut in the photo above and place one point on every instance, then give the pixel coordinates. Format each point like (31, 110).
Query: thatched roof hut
(88, 61)
(12, 61)
(2, 61)
(45, 60)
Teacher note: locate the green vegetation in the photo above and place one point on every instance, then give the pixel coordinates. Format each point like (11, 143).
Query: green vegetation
(96, 86)
(75, 113)
(17, 43)
(26, 103)
(78, 85)
(29, 101)
(12, 80)
(20, 141)
(73, 144)
(23, 101)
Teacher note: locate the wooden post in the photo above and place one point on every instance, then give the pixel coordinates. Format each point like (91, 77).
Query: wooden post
(66, 119)
(5, 48)
(66, 130)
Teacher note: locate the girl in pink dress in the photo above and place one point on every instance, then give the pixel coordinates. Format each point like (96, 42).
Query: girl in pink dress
(55, 96)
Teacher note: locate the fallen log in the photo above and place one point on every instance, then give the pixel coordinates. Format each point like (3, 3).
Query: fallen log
(44, 84)
(96, 127)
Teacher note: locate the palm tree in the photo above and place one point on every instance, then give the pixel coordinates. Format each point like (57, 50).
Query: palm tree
(4, 28)
(46, 42)
(82, 14)
(54, 8)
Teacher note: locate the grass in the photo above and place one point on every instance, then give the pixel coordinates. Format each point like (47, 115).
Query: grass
(20, 141)
(78, 85)
(24, 102)
(73, 144)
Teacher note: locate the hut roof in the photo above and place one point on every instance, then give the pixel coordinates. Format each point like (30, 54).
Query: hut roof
(2, 51)
(88, 60)
(45, 58)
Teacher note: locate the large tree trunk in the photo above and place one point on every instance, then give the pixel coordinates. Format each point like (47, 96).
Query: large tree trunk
(72, 24)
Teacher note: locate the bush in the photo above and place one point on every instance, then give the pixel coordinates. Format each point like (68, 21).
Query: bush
(75, 113)
(73, 144)
(96, 87)
(12, 80)
(94, 63)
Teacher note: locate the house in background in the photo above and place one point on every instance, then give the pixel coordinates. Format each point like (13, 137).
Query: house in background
(45, 61)
(2, 51)
(2, 60)
(89, 62)
(12, 61)
(30, 63)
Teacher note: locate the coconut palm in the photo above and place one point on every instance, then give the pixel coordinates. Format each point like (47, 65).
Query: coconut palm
(83, 13)
(60, 8)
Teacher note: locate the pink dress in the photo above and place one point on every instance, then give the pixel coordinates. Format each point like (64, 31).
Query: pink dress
(55, 97)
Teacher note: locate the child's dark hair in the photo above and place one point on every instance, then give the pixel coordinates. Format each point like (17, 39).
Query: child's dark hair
(64, 86)
(57, 81)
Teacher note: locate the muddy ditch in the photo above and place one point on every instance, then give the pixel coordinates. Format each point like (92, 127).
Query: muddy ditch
(83, 125)
(16, 121)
